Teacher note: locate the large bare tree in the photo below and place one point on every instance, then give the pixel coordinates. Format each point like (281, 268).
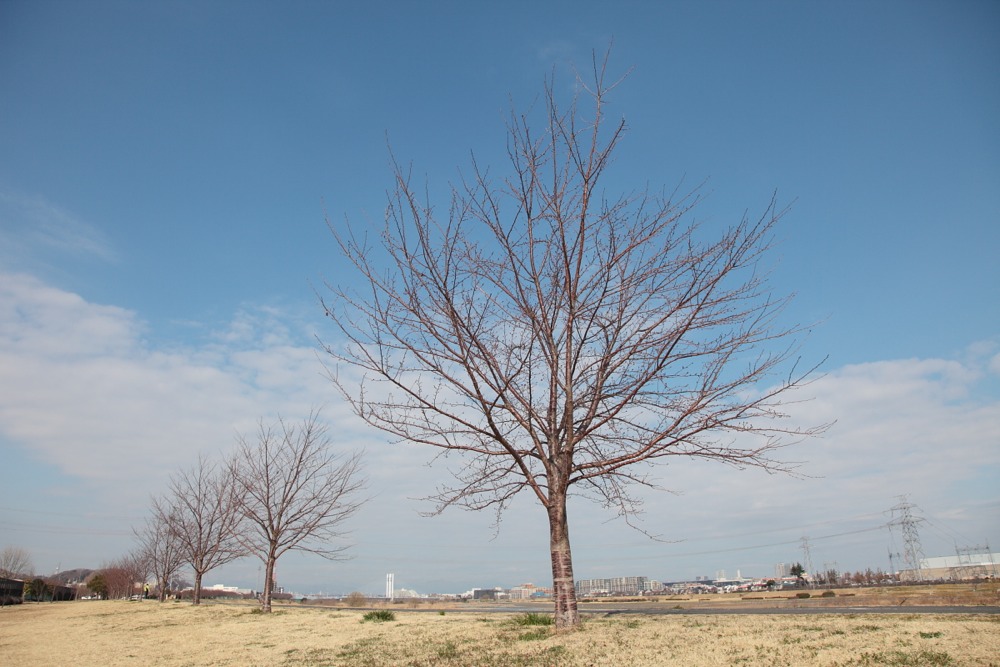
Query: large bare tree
(295, 493)
(203, 513)
(558, 337)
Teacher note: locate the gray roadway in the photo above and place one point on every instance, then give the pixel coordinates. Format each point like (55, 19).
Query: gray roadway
(914, 609)
(658, 610)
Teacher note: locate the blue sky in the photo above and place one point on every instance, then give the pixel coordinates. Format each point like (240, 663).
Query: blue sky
(167, 168)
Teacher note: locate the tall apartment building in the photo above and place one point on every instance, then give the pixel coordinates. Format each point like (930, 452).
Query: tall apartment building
(612, 586)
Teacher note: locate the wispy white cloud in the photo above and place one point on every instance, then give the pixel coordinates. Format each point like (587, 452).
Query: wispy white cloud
(79, 377)
(32, 225)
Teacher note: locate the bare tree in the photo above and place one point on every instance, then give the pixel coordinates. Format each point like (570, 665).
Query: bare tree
(160, 546)
(295, 493)
(557, 338)
(203, 514)
(122, 576)
(15, 562)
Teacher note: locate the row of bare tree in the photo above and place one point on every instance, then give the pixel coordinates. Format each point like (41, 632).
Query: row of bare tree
(284, 489)
(868, 577)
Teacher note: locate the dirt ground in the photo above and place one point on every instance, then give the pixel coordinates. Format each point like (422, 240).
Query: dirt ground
(177, 634)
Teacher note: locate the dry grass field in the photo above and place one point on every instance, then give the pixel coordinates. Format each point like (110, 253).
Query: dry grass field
(176, 634)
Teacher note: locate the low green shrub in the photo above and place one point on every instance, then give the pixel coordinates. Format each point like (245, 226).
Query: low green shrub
(379, 616)
(533, 619)
(803, 596)
(828, 594)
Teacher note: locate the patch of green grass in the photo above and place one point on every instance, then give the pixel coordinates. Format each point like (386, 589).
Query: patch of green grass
(930, 635)
(534, 635)
(258, 611)
(448, 651)
(867, 627)
(556, 652)
(309, 658)
(379, 616)
(532, 619)
(903, 659)
(360, 651)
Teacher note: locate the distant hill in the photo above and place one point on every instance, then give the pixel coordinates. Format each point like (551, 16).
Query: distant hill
(68, 577)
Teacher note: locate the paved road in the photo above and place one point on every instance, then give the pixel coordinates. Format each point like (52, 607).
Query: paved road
(913, 609)
(658, 610)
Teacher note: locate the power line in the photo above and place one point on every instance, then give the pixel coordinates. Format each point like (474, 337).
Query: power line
(62, 530)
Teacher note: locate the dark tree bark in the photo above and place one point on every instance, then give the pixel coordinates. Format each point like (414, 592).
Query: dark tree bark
(560, 339)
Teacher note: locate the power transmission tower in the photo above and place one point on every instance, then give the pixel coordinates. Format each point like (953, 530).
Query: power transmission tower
(807, 557)
(913, 552)
(974, 562)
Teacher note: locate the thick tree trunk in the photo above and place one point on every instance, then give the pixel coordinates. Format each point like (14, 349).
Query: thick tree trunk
(563, 586)
(265, 597)
(197, 587)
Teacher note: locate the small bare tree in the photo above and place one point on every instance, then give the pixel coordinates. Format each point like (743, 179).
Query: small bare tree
(15, 562)
(295, 493)
(559, 339)
(203, 514)
(122, 576)
(160, 547)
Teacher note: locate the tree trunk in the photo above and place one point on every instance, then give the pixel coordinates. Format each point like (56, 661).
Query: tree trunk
(197, 587)
(265, 597)
(563, 588)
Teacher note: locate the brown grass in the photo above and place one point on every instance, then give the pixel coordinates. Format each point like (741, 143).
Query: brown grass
(119, 633)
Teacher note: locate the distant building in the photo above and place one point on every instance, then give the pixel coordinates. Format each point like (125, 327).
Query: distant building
(11, 591)
(529, 591)
(487, 593)
(968, 564)
(612, 586)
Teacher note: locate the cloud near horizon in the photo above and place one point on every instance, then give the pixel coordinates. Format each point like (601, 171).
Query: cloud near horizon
(83, 389)
(78, 377)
